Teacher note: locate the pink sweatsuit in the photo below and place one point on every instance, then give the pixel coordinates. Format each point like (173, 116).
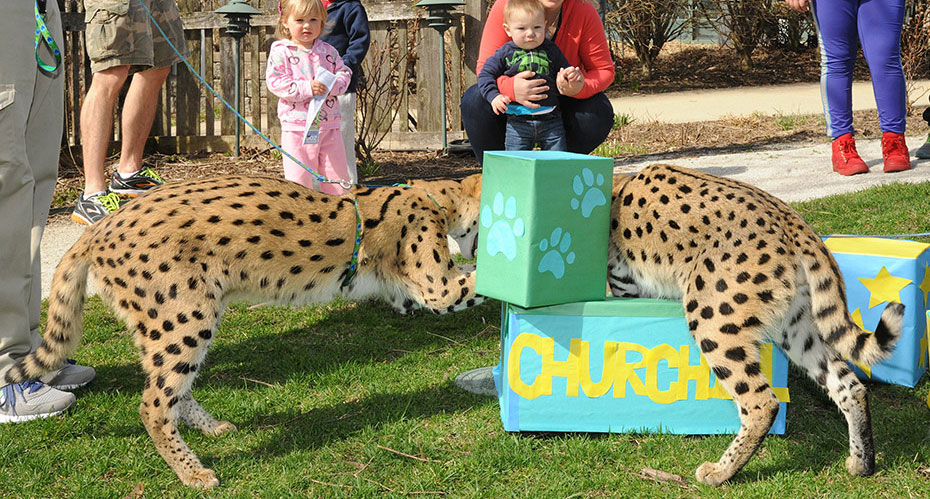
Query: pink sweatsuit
(290, 70)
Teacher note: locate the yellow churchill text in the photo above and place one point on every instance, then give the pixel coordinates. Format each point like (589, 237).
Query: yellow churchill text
(618, 372)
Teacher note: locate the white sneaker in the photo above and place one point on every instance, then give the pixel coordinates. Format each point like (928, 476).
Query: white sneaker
(30, 400)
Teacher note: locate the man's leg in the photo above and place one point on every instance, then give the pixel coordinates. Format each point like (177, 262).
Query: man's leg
(97, 124)
(138, 115)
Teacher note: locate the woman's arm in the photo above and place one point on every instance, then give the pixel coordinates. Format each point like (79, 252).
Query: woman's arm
(584, 38)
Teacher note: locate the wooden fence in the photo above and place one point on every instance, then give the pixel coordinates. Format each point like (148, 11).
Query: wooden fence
(190, 118)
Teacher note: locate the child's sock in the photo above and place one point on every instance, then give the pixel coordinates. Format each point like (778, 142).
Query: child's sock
(88, 196)
(125, 176)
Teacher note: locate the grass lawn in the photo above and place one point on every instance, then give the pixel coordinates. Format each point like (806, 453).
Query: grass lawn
(355, 400)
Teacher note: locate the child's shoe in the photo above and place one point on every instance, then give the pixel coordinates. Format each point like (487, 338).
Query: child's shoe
(924, 151)
(894, 152)
(846, 160)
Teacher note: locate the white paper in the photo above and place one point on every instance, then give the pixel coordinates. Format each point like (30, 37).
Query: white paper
(327, 78)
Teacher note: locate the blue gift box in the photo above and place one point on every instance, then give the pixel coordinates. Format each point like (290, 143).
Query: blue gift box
(877, 271)
(620, 365)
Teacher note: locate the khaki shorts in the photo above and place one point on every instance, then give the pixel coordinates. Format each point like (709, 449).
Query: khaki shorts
(120, 33)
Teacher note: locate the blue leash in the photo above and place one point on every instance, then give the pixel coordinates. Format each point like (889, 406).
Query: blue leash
(353, 263)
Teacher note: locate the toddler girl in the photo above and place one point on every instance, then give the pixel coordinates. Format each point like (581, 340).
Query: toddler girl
(295, 64)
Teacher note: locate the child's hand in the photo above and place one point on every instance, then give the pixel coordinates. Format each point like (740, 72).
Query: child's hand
(499, 104)
(570, 81)
(318, 87)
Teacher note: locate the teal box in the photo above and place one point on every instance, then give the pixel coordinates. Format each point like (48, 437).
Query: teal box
(544, 224)
(620, 365)
(878, 271)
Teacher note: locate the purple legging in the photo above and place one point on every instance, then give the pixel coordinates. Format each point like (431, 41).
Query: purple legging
(841, 24)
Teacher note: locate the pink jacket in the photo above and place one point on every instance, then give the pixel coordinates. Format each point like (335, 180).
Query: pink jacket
(290, 70)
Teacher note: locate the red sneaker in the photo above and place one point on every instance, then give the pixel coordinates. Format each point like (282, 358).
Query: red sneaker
(894, 152)
(846, 160)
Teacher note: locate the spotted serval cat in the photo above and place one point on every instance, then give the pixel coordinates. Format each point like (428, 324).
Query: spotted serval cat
(747, 267)
(169, 262)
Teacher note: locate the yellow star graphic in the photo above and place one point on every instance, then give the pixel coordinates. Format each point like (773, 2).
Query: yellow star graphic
(925, 285)
(884, 287)
(857, 318)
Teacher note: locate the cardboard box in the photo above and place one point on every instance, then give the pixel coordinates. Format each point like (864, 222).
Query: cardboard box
(877, 271)
(545, 219)
(619, 365)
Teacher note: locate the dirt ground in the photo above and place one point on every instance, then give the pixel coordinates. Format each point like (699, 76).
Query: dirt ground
(681, 67)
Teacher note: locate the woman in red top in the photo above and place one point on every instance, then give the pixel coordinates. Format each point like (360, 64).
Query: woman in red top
(576, 28)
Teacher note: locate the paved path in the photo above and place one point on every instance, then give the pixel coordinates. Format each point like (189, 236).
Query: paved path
(791, 172)
(707, 105)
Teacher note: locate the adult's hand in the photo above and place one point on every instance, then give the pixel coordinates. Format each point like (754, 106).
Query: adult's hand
(799, 5)
(526, 90)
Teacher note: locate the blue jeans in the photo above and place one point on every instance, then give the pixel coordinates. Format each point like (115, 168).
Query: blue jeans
(587, 122)
(525, 131)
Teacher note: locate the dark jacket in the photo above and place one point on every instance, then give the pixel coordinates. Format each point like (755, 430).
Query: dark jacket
(347, 30)
(545, 60)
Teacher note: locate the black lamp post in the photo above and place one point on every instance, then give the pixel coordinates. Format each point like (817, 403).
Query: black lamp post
(237, 13)
(441, 17)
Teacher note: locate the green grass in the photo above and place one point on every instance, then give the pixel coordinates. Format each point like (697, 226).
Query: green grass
(327, 398)
(611, 148)
(792, 121)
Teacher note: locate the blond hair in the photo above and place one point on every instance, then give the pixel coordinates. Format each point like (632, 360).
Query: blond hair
(529, 7)
(298, 8)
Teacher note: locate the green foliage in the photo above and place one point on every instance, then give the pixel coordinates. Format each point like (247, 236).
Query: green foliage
(349, 399)
(791, 121)
(65, 196)
(622, 120)
(368, 167)
(612, 148)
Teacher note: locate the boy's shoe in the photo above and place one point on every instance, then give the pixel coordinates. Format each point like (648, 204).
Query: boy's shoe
(70, 376)
(846, 161)
(924, 151)
(91, 210)
(138, 183)
(894, 152)
(30, 400)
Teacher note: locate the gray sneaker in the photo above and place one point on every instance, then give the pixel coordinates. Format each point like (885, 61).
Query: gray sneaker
(137, 183)
(30, 400)
(924, 151)
(91, 210)
(69, 376)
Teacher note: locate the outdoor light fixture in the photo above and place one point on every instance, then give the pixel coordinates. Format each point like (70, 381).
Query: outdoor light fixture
(441, 15)
(237, 13)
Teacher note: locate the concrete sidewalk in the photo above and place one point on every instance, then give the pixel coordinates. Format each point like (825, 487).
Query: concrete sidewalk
(791, 172)
(707, 105)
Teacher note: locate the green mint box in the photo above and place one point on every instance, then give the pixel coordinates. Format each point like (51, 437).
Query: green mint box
(545, 218)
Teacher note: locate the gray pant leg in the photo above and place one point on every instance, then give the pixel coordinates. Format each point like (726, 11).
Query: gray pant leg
(31, 118)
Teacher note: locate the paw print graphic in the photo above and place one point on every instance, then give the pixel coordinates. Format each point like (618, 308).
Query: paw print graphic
(557, 254)
(503, 231)
(590, 196)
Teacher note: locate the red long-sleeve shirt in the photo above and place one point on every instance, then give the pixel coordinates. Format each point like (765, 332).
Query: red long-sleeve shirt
(581, 38)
